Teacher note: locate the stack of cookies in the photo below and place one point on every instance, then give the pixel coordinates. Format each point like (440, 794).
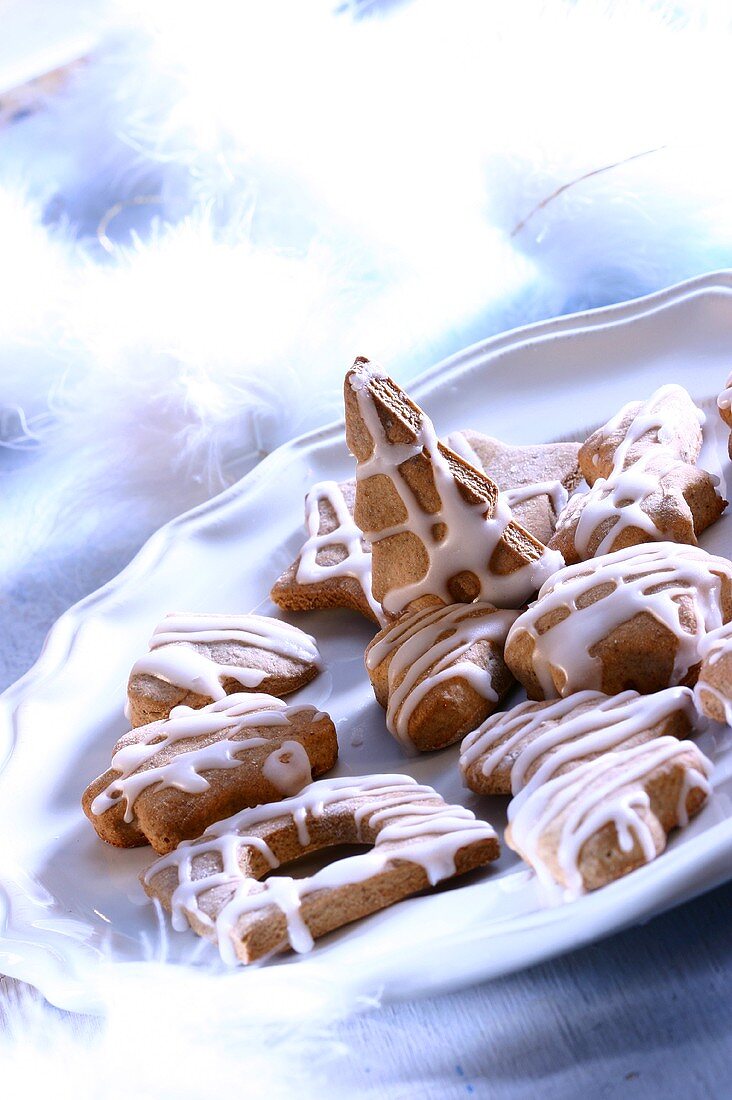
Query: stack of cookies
(569, 570)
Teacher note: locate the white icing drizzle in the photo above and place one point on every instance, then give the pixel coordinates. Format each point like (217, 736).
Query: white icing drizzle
(620, 497)
(520, 494)
(702, 688)
(714, 453)
(183, 770)
(420, 662)
(356, 563)
(557, 493)
(471, 536)
(686, 570)
(563, 733)
(459, 443)
(288, 767)
(724, 401)
(414, 823)
(668, 424)
(718, 643)
(176, 657)
(605, 791)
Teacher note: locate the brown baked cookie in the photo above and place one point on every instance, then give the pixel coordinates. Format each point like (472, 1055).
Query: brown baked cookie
(439, 671)
(535, 480)
(437, 526)
(168, 781)
(597, 822)
(658, 498)
(648, 489)
(213, 884)
(713, 689)
(195, 659)
(546, 739)
(333, 569)
(668, 417)
(634, 619)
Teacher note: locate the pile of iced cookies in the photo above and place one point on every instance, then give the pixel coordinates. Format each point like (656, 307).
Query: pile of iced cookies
(570, 570)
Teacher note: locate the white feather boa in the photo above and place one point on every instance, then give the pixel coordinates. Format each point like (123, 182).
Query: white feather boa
(268, 1043)
(325, 185)
(306, 186)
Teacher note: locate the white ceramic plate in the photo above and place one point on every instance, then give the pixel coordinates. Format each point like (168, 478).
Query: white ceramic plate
(68, 902)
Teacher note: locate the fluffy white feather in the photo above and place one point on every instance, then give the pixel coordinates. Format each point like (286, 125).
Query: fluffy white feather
(335, 185)
(197, 353)
(166, 1031)
(36, 282)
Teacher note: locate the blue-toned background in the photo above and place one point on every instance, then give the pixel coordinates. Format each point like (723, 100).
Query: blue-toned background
(204, 215)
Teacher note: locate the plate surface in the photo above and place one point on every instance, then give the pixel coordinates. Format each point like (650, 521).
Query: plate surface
(68, 903)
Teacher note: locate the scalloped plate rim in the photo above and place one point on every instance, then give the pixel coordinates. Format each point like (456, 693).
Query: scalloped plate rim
(26, 965)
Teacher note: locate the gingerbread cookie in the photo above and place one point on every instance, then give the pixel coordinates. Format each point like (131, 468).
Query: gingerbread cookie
(714, 687)
(536, 741)
(656, 499)
(650, 493)
(437, 526)
(535, 481)
(669, 417)
(632, 619)
(333, 569)
(439, 671)
(596, 822)
(168, 781)
(195, 659)
(212, 884)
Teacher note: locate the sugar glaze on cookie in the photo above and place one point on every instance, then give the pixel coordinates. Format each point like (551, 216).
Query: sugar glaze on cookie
(565, 732)
(469, 536)
(416, 651)
(288, 768)
(411, 821)
(628, 498)
(175, 655)
(184, 770)
(716, 653)
(608, 790)
(716, 643)
(631, 575)
(556, 492)
(673, 421)
(724, 400)
(357, 560)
